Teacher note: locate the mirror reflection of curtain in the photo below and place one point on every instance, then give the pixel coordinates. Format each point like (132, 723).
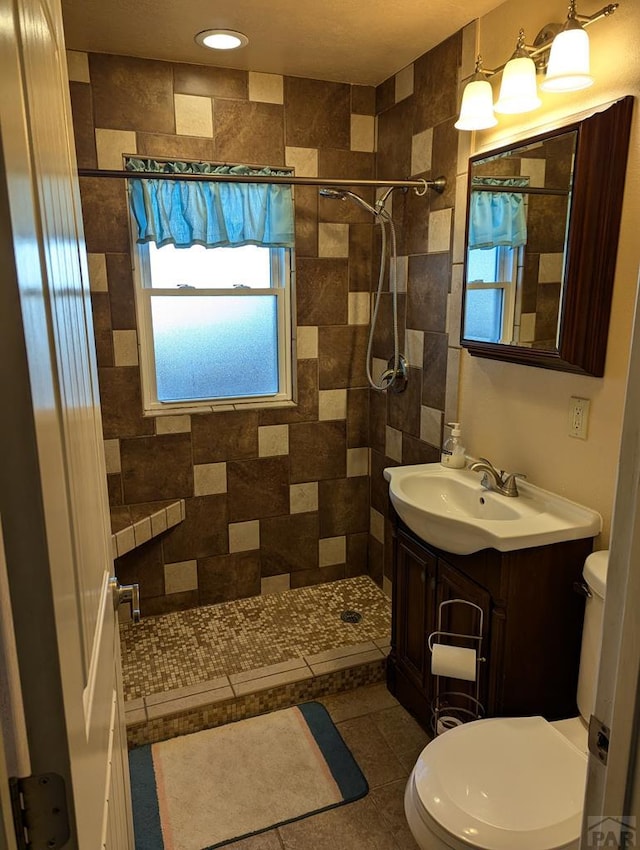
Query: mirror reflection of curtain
(497, 219)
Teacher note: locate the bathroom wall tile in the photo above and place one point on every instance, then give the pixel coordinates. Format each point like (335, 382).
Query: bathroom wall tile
(359, 308)
(102, 328)
(357, 165)
(306, 408)
(209, 479)
(259, 488)
(132, 94)
(402, 273)
(436, 83)
(273, 440)
(454, 305)
(111, 145)
(342, 356)
(376, 561)
(319, 575)
(78, 66)
(459, 220)
(202, 533)
(431, 426)
(404, 408)
(377, 525)
(303, 160)
(82, 114)
(357, 462)
(415, 219)
(125, 540)
(194, 115)
(180, 576)
(363, 100)
(394, 140)
(104, 210)
(156, 467)
(121, 292)
(178, 147)
(227, 577)
(125, 348)
(550, 268)
(173, 424)
(383, 346)
(414, 344)
(289, 543)
(357, 554)
(143, 566)
(421, 151)
(363, 135)
(159, 523)
(97, 264)
(112, 455)
(244, 536)
(248, 132)
(445, 162)
(343, 507)
(317, 451)
(121, 403)
(385, 95)
(318, 113)
(393, 443)
(415, 450)
(307, 342)
(380, 487)
(224, 436)
(332, 550)
(322, 287)
(434, 370)
(158, 605)
(274, 584)
(357, 417)
(333, 240)
(404, 83)
(114, 489)
(377, 421)
(429, 281)
(306, 212)
(360, 257)
(440, 230)
(303, 497)
(332, 404)
(267, 88)
(210, 82)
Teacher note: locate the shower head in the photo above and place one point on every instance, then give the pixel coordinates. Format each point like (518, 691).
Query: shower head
(342, 195)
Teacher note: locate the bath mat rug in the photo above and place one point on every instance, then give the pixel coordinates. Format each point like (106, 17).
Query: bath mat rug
(199, 791)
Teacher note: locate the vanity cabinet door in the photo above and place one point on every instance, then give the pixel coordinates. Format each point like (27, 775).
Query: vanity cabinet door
(464, 620)
(414, 588)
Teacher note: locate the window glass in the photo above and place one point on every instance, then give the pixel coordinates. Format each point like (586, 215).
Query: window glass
(483, 314)
(483, 265)
(210, 268)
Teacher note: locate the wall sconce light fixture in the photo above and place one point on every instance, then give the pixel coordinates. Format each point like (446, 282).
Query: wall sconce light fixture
(560, 50)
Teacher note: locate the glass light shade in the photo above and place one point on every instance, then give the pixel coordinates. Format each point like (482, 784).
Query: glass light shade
(568, 68)
(518, 92)
(221, 39)
(476, 111)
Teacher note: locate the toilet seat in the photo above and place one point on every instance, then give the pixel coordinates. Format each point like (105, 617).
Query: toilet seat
(503, 784)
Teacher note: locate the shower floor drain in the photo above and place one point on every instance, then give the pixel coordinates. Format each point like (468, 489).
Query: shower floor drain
(351, 616)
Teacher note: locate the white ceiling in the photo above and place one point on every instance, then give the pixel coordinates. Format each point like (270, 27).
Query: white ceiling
(355, 41)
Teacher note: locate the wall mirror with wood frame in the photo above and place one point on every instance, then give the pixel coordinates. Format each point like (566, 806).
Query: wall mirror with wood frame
(543, 219)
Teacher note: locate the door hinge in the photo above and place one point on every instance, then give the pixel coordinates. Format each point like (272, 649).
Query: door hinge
(599, 739)
(40, 812)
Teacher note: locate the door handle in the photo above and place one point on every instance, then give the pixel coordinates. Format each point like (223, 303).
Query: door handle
(124, 594)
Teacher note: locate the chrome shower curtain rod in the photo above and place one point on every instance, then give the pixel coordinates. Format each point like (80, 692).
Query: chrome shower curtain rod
(437, 185)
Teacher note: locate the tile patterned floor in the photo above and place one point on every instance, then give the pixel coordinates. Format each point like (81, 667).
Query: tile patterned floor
(385, 741)
(185, 648)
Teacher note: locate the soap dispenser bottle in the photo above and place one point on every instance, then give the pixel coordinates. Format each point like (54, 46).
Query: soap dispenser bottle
(453, 451)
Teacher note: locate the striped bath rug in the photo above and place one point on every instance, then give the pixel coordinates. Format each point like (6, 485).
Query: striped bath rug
(199, 791)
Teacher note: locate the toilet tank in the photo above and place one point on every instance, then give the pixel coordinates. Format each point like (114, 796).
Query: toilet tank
(595, 576)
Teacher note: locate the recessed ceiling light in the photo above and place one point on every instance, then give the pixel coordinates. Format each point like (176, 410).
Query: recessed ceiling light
(222, 39)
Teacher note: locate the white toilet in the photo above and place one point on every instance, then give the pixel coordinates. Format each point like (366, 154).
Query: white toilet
(511, 783)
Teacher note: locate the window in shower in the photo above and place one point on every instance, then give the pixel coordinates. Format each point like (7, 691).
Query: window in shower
(214, 322)
(490, 294)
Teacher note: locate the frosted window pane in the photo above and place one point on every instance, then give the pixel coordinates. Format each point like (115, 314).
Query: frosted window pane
(482, 265)
(483, 314)
(210, 268)
(215, 347)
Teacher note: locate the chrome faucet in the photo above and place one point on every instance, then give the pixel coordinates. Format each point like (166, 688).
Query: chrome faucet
(492, 479)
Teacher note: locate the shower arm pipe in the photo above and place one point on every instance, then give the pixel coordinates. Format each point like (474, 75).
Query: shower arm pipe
(421, 186)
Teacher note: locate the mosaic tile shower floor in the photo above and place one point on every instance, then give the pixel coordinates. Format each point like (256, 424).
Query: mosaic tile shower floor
(184, 648)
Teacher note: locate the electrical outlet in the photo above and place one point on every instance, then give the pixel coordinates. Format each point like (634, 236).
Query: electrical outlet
(578, 417)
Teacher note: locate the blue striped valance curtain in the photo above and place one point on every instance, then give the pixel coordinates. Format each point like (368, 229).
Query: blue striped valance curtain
(185, 213)
(497, 219)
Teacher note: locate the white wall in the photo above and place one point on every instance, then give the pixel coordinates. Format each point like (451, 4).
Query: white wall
(518, 415)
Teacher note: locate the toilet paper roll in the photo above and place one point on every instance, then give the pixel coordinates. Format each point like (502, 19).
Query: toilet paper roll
(456, 662)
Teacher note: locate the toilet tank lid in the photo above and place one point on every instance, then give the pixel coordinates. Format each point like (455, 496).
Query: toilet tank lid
(595, 572)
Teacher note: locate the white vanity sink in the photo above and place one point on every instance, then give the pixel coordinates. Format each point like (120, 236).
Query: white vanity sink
(449, 509)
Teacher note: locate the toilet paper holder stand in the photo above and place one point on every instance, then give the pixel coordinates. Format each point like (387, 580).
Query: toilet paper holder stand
(452, 708)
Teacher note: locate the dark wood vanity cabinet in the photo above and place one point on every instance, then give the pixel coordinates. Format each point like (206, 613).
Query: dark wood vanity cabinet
(532, 624)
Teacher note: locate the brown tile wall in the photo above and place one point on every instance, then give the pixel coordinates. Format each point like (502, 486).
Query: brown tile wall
(307, 515)
(255, 521)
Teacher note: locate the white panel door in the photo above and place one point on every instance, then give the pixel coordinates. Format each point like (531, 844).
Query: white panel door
(42, 226)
